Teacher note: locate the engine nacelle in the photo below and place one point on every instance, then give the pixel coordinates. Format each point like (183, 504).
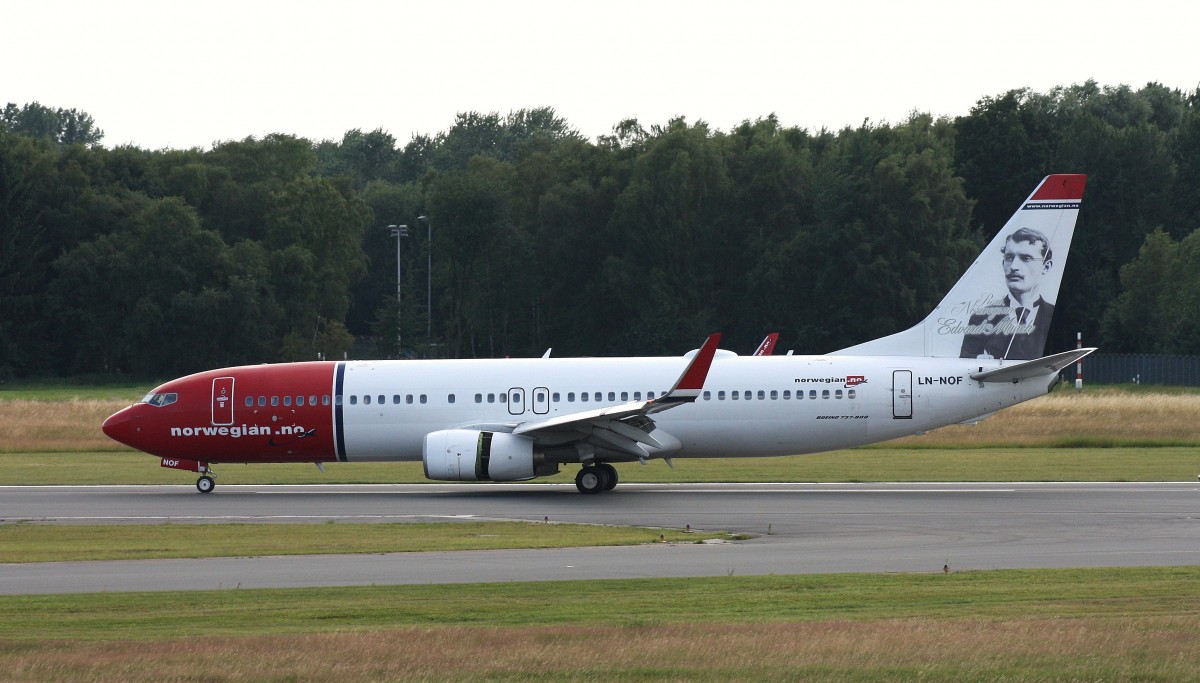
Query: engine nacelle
(473, 455)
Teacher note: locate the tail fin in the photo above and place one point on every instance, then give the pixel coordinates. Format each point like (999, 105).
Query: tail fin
(767, 347)
(1001, 308)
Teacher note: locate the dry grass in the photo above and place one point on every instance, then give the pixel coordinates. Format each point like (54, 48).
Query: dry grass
(56, 426)
(1097, 417)
(1154, 648)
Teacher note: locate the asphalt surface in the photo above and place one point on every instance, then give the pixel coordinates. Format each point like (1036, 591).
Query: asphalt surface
(799, 528)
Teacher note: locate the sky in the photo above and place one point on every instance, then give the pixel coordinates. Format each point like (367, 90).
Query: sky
(177, 75)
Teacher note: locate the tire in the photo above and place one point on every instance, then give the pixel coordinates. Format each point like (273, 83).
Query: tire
(205, 484)
(610, 473)
(590, 480)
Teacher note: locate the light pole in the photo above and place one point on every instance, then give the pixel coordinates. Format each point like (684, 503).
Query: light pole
(398, 231)
(428, 284)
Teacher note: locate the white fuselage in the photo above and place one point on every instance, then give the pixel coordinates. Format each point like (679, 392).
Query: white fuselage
(750, 406)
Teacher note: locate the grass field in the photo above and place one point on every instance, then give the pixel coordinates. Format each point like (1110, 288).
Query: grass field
(76, 543)
(1105, 434)
(858, 465)
(1096, 624)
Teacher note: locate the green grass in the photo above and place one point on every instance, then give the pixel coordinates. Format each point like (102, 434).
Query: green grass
(1087, 625)
(864, 464)
(72, 543)
(992, 595)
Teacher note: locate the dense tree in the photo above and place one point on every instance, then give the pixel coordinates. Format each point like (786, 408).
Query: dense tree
(277, 248)
(64, 126)
(1159, 309)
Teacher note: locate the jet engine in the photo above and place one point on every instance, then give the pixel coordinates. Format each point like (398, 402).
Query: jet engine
(472, 455)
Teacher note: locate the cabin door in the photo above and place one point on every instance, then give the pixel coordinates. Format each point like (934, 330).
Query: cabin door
(902, 394)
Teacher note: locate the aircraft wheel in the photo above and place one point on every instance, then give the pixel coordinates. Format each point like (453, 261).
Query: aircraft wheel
(610, 473)
(205, 484)
(590, 480)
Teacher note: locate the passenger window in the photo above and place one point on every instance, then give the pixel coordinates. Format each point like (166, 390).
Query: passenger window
(570, 397)
(366, 400)
(325, 400)
(707, 395)
(721, 395)
(812, 393)
(850, 393)
(479, 398)
(824, 393)
(353, 400)
(837, 394)
(734, 395)
(598, 397)
(583, 396)
(612, 396)
(274, 400)
(624, 395)
(774, 395)
(554, 397)
(450, 398)
(637, 395)
(491, 398)
(424, 399)
(249, 401)
(762, 395)
(312, 400)
(287, 401)
(649, 395)
(382, 400)
(408, 399)
(787, 394)
(748, 395)
(339, 399)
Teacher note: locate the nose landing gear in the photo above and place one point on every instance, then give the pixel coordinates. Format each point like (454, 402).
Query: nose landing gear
(206, 483)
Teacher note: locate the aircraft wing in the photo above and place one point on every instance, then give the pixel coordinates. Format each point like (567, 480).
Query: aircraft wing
(627, 427)
(1031, 369)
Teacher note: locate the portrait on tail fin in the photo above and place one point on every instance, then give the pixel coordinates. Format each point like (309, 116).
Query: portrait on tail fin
(1016, 326)
(1001, 312)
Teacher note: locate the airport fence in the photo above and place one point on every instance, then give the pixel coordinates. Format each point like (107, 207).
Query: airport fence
(1137, 368)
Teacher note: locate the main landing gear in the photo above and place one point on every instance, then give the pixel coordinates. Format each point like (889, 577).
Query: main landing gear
(596, 478)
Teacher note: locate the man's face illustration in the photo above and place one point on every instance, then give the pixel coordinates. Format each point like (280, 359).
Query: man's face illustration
(1024, 267)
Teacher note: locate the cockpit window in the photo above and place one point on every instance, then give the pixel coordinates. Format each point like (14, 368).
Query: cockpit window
(160, 400)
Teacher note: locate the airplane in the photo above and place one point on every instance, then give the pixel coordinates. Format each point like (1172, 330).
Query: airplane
(507, 419)
(767, 347)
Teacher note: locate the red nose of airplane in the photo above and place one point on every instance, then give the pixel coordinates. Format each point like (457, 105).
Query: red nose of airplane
(122, 426)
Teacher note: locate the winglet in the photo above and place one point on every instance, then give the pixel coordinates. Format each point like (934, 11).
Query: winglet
(767, 347)
(1032, 369)
(687, 387)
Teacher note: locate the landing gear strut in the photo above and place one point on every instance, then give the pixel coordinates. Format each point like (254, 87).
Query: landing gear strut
(596, 478)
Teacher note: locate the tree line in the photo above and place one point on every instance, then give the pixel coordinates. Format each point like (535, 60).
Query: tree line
(159, 262)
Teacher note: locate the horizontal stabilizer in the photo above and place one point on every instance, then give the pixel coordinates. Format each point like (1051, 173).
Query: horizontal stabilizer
(1041, 367)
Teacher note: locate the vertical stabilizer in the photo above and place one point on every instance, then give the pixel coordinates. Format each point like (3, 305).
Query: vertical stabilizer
(1003, 304)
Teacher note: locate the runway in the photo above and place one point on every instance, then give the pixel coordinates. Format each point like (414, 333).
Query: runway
(799, 528)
